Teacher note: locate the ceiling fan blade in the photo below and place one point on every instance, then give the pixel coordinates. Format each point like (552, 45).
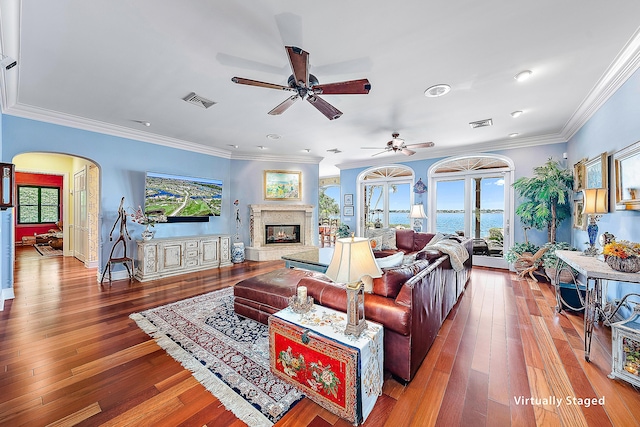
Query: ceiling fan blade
(243, 81)
(382, 152)
(351, 87)
(421, 145)
(299, 60)
(324, 107)
(369, 148)
(408, 152)
(282, 107)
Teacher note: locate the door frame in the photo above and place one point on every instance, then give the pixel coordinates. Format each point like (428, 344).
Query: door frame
(509, 198)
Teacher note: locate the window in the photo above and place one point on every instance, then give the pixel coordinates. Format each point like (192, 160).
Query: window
(38, 205)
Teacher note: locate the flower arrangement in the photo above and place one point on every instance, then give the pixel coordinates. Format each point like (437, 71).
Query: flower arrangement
(622, 249)
(622, 256)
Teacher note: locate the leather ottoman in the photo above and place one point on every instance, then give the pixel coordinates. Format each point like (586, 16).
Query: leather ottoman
(259, 297)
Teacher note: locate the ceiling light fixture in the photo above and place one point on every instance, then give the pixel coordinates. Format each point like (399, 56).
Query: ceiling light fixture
(523, 75)
(233, 145)
(262, 147)
(273, 136)
(437, 90)
(308, 150)
(513, 135)
(334, 151)
(515, 114)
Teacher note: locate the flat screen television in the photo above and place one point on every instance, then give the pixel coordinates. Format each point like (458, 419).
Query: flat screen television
(182, 198)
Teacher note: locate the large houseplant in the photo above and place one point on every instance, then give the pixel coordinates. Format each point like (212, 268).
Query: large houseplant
(546, 197)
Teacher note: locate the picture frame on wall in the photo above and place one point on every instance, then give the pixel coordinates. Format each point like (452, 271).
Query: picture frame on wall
(578, 176)
(596, 172)
(348, 199)
(282, 185)
(348, 211)
(579, 219)
(626, 164)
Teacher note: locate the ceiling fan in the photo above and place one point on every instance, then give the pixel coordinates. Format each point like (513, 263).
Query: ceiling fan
(397, 144)
(306, 85)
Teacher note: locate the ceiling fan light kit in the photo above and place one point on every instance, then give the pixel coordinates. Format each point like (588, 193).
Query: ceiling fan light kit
(307, 86)
(397, 144)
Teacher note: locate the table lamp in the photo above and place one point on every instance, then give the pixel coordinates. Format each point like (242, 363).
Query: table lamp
(352, 259)
(595, 204)
(417, 213)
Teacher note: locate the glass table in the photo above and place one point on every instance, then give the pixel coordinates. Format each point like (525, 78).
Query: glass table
(317, 259)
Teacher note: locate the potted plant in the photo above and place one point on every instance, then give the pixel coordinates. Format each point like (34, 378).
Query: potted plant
(521, 254)
(550, 262)
(546, 197)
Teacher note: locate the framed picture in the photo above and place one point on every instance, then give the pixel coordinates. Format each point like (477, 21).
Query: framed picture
(282, 185)
(596, 172)
(579, 219)
(626, 163)
(578, 176)
(348, 211)
(348, 199)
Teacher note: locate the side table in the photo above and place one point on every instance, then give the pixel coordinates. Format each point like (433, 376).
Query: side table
(341, 373)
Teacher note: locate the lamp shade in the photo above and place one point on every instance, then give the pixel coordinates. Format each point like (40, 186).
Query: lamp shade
(352, 259)
(417, 211)
(595, 201)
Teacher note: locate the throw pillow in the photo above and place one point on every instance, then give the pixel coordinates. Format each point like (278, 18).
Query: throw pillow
(390, 261)
(385, 238)
(376, 243)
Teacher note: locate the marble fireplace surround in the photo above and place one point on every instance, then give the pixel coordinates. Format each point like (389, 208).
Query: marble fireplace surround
(274, 214)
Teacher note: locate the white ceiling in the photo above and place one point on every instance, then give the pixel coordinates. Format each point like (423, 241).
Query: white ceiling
(107, 65)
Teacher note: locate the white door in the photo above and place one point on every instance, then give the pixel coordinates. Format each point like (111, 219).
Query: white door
(80, 215)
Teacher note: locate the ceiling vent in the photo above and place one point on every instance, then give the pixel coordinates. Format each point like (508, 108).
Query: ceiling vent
(481, 123)
(198, 100)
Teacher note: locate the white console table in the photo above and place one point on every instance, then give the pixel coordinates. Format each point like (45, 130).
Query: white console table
(595, 270)
(164, 257)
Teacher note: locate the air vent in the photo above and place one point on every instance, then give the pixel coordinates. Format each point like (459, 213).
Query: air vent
(198, 100)
(481, 123)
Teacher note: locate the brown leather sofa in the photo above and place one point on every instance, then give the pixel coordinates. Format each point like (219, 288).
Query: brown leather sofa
(411, 301)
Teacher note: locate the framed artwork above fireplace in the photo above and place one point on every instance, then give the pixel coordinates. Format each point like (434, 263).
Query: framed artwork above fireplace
(282, 185)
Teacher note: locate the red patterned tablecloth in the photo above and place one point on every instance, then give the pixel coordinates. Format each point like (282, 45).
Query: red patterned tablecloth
(341, 373)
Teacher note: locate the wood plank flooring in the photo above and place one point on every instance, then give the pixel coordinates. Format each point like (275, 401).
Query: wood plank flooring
(70, 355)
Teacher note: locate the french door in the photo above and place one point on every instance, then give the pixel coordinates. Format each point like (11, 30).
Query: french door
(476, 205)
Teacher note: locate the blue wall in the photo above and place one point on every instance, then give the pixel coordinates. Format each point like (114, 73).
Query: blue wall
(123, 163)
(613, 127)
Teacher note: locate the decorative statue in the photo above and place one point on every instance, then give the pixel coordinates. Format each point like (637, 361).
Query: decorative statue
(238, 220)
(122, 220)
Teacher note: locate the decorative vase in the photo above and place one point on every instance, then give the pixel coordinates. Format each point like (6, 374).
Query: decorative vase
(147, 234)
(237, 252)
(626, 265)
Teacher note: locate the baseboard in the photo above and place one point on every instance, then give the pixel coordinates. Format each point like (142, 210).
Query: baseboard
(115, 275)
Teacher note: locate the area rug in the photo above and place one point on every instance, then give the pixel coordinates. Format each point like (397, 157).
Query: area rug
(46, 250)
(227, 354)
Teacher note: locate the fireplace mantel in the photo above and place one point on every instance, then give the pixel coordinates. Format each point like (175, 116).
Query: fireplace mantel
(277, 213)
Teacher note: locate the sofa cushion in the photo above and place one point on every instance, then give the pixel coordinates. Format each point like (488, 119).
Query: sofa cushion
(393, 278)
(382, 239)
(404, 239)
(420, 240)
(391, 260)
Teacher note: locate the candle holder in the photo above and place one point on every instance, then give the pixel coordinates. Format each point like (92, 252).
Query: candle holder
(299, 306)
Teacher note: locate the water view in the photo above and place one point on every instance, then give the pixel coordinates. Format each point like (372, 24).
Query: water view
(450, 222)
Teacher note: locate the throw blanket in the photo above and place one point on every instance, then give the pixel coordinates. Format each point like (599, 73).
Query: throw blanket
(457, 253)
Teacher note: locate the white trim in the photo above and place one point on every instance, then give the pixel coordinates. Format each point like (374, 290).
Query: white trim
(6, 294)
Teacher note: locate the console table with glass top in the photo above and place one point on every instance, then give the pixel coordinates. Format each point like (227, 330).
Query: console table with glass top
(595, 271)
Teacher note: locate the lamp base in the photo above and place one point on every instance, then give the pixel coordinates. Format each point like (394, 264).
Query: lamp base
(356, 329)
(591, 251)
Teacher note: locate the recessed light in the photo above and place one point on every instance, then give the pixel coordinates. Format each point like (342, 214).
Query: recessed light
(273, 136)
(515, 114)
(437, 90)
(308, 150)
(523, 75)
(143, 123)
(262, 147)
(233, 145)
(513, 135)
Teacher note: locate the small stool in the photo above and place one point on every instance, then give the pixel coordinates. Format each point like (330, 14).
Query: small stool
(126, 261)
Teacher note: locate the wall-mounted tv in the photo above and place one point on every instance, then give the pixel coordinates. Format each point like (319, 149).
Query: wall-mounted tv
(182, 198)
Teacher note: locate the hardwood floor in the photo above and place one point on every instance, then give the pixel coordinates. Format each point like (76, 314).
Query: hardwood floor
(70, 355)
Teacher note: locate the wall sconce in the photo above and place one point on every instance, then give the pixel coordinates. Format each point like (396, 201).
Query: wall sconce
(7, 185)
(595, 204)
(352, 259)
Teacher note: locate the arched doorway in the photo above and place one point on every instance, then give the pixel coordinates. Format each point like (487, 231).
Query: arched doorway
(385, 197)
(472, 195)
(79, 197)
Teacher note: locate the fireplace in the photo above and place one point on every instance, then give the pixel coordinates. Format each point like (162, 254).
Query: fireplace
(281, 234)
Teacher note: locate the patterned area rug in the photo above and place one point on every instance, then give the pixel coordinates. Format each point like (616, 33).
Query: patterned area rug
(46, 250)
(228, 354)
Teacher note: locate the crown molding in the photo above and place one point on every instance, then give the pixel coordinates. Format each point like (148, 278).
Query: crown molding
(503, 144)
(624, 65)
(277, 158)
(77, 122)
